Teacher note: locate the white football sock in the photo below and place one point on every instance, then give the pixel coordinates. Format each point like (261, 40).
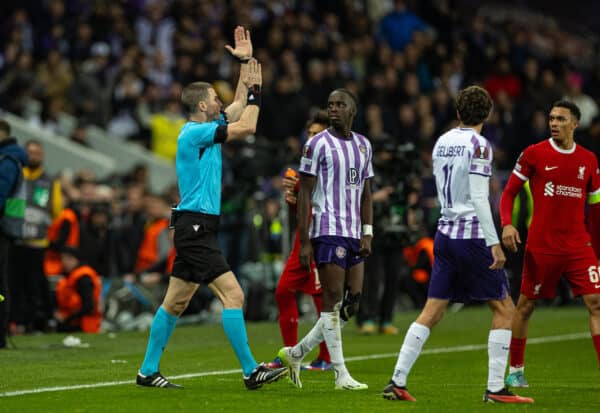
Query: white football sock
(498, 348)
(332, 332)
(415, 338)
(310, 341)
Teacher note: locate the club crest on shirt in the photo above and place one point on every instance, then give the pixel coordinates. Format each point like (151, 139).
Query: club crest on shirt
(481, 152)
(362, 148)
(340, 252)
(581, 173)
(306, 151)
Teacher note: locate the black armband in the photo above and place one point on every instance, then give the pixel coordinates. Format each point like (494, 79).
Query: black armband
(221, 134)
(254, 96)
(224, 114)
(243, 60)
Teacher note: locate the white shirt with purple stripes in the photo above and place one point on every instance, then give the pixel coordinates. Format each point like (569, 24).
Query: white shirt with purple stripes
(341, 167)
(462, 165)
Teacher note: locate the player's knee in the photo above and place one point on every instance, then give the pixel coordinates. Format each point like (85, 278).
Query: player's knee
(332, 294)
(234, 299)
(524, 310)
(175, 307)
(593, 304)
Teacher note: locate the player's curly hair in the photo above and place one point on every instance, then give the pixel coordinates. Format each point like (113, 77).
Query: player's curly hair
(194, 93)
(474, 105)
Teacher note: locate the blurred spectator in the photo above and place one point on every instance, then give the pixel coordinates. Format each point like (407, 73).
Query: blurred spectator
(587, 105)
(54, 77)
(12, 157)
(165, 128)
(131, 229)
(156, 243)
(16, 84)
(397, 27)
(155, 31)
(97, 244)
(503, 80)
(92, 89)
(78, 295)
(80, 135)
(31, 306)
(64, 232)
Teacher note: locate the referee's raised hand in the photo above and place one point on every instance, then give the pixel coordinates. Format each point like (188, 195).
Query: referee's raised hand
(242, 44)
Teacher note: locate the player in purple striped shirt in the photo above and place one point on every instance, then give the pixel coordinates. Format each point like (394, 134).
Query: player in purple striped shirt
(468, 257)
(335, 175)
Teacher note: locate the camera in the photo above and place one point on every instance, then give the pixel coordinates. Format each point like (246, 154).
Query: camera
(395, 165)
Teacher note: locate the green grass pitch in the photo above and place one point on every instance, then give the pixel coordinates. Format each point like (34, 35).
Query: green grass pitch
(449, 377)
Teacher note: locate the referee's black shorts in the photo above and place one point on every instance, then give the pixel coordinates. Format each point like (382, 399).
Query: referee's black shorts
(199, 258)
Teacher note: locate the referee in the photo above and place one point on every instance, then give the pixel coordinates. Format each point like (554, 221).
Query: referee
(196, 218)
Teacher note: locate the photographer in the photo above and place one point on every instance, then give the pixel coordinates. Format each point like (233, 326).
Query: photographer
(384, 267)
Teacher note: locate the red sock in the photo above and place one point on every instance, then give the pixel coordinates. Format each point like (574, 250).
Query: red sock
(288, 315)
(323, 353)
(596, 340)
(517, 352)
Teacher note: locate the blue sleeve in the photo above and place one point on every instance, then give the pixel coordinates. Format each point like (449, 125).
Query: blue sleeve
(8, 176)
(223, 119)
(200, 134)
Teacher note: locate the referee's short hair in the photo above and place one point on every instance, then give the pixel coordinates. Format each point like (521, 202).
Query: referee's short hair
(194, 93)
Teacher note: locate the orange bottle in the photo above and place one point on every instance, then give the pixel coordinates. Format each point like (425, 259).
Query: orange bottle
(290, 173)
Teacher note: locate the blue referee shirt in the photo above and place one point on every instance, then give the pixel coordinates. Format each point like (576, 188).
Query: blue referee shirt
(199, 165)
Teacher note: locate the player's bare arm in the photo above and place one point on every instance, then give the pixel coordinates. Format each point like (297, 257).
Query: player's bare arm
(366, 218)
(243, 51)
(246, 125)
(510, 236)
(307, 184)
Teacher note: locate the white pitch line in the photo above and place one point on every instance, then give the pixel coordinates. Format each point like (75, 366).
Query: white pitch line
(440, 350)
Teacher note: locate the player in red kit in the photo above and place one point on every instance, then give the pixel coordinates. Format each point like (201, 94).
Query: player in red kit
(294, 277)
(562, 176)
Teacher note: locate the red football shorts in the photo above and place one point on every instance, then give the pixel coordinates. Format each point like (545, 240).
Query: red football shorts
(295, 277)
(541, 273)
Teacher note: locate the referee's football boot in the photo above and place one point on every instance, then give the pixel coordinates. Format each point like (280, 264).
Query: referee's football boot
(155, 380)
(504, 396)
(263, 375)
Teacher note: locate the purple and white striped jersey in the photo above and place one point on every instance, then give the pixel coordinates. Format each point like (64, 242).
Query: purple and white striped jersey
(458, 153)
(341, 167)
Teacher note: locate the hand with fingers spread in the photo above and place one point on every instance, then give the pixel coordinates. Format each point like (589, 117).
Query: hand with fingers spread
(243, 45)
(252, 74)
(499, 257)
(510, 238)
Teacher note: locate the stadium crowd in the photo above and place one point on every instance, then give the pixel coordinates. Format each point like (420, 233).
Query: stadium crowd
(121, 65)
